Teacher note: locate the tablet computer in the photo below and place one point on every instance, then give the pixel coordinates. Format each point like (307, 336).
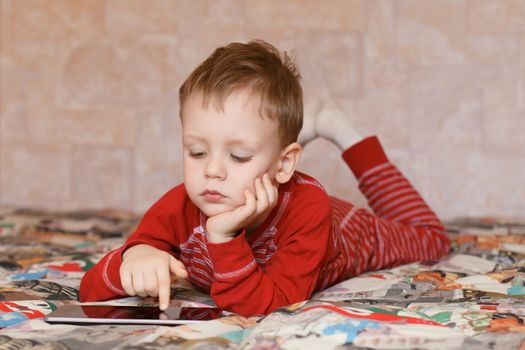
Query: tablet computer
(107, 314)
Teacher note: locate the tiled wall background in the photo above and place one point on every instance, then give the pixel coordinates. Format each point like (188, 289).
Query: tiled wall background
(89, 111)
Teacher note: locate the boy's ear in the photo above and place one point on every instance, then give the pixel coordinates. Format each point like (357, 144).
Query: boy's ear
(287, 162)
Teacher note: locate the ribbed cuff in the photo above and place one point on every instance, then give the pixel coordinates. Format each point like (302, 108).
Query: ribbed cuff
(365, 155)
(231, 260)
(111, 272)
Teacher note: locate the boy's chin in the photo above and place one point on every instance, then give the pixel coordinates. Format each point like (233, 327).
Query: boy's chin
(214, 209)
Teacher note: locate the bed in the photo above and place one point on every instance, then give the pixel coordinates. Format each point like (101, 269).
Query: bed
(473, 299)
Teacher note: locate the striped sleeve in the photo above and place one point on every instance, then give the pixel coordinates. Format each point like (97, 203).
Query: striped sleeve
(402, 227)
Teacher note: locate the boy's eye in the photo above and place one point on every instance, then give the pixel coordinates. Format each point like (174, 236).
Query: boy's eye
(241, 159)
(197, 154)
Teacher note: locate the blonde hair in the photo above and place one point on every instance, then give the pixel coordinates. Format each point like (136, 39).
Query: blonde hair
(259, 66)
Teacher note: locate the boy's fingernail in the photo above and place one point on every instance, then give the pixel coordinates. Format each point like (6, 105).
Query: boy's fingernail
(163, 306)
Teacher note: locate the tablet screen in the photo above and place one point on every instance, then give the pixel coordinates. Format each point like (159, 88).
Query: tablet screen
(106, 314)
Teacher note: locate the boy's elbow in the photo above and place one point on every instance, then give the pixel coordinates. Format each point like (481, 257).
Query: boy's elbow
(85, 293)
(83, 297)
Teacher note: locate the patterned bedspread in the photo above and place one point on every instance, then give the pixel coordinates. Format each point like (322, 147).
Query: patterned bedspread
(473, 299)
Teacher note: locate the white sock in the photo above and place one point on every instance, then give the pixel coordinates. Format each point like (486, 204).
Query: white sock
(308, 132)
(334, 125)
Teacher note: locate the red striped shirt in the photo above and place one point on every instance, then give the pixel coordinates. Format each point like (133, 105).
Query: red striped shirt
(310, 240)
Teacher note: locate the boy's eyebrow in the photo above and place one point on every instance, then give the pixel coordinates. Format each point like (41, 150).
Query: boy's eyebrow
(242, 142)
(231, 142)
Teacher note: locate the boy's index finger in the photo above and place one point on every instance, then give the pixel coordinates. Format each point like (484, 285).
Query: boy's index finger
(164, 280)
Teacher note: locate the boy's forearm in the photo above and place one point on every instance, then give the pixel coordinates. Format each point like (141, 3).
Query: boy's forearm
(102, 281)
(244, 285)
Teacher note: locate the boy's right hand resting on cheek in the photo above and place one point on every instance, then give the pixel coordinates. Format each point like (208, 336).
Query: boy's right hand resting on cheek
(223, 227)
(146, 271)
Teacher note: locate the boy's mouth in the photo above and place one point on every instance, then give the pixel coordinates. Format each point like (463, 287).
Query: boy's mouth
(212, 196)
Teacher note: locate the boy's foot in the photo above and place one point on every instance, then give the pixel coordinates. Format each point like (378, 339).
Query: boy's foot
(332, 124)
(308, 132)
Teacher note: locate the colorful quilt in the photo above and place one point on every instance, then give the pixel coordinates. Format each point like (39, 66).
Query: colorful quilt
(473, 299)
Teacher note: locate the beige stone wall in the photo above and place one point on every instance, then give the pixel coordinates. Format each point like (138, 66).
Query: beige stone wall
(89, 110)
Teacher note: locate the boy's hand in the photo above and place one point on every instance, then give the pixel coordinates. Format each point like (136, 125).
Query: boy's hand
(146, 271)
(222, 227)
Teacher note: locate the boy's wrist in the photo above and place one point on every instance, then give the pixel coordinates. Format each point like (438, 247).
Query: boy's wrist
(219, 238)
(132, 249)
(222, 238)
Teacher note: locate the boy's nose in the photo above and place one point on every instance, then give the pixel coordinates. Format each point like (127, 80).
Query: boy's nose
(214, 170)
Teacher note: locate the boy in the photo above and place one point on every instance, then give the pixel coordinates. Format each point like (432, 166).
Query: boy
(244, 225)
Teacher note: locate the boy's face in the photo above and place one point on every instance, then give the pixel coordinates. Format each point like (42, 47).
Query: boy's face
(225, 151)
